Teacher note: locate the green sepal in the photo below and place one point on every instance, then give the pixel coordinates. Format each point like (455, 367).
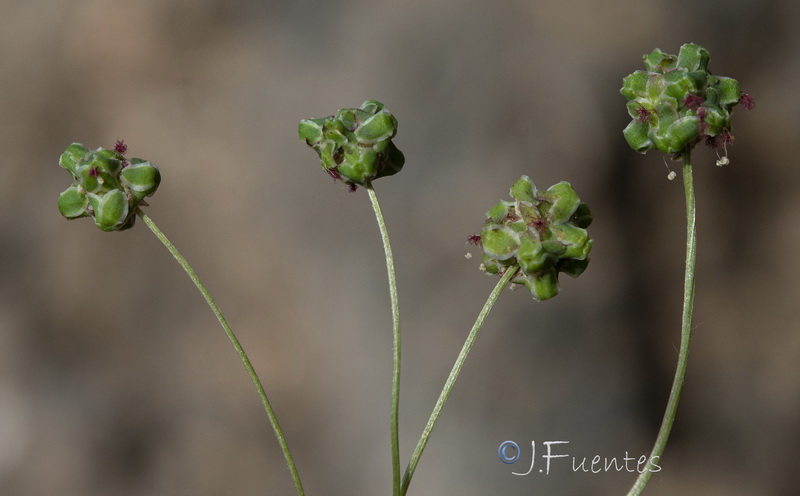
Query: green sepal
(73, 203)
(693, 57)
(499, 211)
(354, 172)
(379, 127)
(110, 209)
(572, 267)
(392, 160)
(371, 107)
(523, 190)
(72, 156)
(582, 216)
(529, 215)
(716, 120)
(140, 179)
(489, 265)
(554, 246)
(531, 256)
(729, 92)
(310, 130)
(637, 135)
(564, 201)
(94, 181)
(574, 239)
(350, 118)
(105, 160)
(330, 154)
(658, 61)
(545, 285)
(681, 133)
(499, 242)
(679, 85)
(635, 85)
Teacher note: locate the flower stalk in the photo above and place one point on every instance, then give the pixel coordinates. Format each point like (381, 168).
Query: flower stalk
(508, 275)
(686, 331)
(262, 394)
(395, 407)
(676, 103)
(110, 189)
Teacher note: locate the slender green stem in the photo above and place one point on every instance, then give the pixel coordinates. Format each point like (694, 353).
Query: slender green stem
(236, 345)
(451, 379)
(395, 342)
(686, 330)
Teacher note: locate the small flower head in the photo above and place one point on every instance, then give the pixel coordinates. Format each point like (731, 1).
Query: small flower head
(120, 147)
(747, 102)
(355, 145)
(106, 186)
(676, 102)
(542, 232)
(643, 114)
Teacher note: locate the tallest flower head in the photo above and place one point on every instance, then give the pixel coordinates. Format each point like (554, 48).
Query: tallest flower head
(675, 102)
(355, 145)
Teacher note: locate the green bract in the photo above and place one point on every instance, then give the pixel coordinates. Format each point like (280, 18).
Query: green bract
(355, 145)
(675, 101)
(106, 186)
(544, 232)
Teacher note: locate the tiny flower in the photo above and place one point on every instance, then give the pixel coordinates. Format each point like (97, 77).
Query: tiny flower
(643, 115)
(120, 147)
(727, 137)
(747, 102)
(692, 102)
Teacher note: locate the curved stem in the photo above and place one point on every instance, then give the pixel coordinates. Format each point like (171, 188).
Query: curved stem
(686, 332)
(451, 379)
(395, 342)
(236, 345)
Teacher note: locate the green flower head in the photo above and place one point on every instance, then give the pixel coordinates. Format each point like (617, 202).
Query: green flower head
(106, 186)
(542, 232)
(676, 102)
(355, 145)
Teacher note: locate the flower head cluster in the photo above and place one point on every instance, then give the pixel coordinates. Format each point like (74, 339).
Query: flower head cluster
(106, 186)
(544, 232)
(355, 145)
(675, 102)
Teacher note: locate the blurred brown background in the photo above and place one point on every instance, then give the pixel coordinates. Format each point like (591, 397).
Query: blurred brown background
(116, 379)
